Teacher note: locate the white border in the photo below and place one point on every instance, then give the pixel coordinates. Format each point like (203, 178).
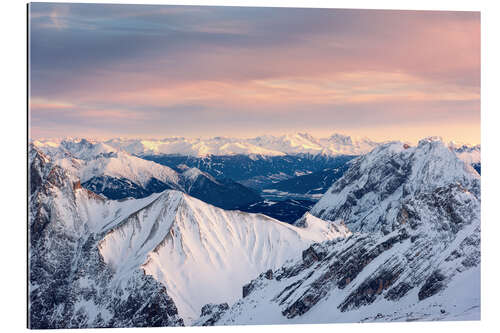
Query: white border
(13, 165)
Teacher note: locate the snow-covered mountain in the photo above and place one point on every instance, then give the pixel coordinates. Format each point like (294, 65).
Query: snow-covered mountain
(78, 148)
(284, 157)
(369, 195)
(98, 263)
(86, 160)
(414, 253)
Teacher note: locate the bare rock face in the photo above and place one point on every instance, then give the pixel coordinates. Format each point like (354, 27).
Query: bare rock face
(70, 286)
(210, 313)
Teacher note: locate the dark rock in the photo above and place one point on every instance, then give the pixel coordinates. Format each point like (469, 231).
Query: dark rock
(368, 291)
(214, 312)
(312, 254)
(433, 284)
(399, 291)
(247, 289)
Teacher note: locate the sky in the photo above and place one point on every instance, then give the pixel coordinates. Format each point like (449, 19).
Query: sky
(103, 71)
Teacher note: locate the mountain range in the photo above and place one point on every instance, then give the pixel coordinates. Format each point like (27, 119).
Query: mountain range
(268, 145)
(118, 175)
(283, 185)
(394, 236)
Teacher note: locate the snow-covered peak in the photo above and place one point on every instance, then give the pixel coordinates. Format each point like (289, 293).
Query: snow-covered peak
(191, 146)
(430, 139)
(65, 223)
(369, 195)
(201, 253)
(86, 159)
(79, 148)
(340, 138)
(124, 165)
(87, 150)
(35, 153)
(339, 144)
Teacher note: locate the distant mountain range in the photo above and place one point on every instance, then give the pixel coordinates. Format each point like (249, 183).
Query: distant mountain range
(291, 144)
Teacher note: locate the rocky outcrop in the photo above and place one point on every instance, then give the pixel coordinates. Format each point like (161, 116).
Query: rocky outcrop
(210, 313)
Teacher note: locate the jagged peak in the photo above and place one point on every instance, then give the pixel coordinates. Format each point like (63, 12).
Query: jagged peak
(346, 139)
(376, 183)
(35, 153)
(430, 139)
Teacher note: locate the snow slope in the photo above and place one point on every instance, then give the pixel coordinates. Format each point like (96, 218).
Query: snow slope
(203, 254)
(312, 291)
(124, 165)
